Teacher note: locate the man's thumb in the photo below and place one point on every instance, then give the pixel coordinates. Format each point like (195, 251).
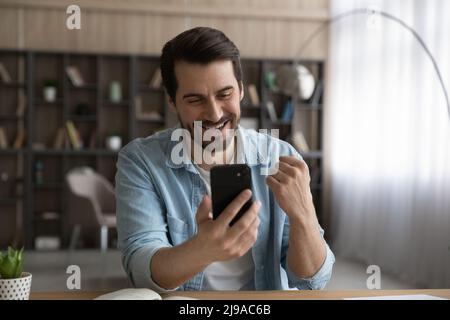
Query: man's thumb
(204, 210)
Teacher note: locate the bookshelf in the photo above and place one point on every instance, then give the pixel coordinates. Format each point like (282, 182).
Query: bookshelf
(118, 95)
(306, 117)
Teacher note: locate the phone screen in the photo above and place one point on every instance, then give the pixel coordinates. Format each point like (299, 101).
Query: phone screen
(227, 182)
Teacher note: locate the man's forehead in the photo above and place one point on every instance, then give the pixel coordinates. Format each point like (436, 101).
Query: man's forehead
(195, 76)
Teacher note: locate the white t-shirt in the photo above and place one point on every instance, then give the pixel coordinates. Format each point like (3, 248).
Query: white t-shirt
(236, 274)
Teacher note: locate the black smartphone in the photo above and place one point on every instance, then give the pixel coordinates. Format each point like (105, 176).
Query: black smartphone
(227, 182)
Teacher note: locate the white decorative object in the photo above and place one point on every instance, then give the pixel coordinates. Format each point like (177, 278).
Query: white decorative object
(16, 289)
(50, 94)
(114, 143)
(115, 92)
(295, 80)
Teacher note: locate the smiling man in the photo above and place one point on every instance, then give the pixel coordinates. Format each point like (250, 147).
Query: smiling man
(166, 232)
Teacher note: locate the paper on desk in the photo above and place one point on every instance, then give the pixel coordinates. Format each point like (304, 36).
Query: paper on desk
(399, 297)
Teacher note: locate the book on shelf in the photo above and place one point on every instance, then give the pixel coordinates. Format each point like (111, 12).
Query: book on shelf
(299, 141)
(43, 243)
(20, 137)
(60, 139)
(316, 99)
(74, 136)
(21, 104)
(288, 111)
(3, 139)
(75, 76)
(38, 146)
(4, 74)
(156, 80)
(253, 93)
(271, 111)
(145, 115)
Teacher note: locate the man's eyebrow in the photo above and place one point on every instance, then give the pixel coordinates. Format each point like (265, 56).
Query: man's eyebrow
(199, 95)
(192, 95)
(225, 89)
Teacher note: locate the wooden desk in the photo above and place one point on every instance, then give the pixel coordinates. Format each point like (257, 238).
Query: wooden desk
(254, 295)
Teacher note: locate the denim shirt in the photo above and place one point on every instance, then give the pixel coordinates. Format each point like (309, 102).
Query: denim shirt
(157, 200)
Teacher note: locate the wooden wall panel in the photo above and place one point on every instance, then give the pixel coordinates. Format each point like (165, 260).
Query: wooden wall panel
(9, 19)
(258, 38)
(260, 28)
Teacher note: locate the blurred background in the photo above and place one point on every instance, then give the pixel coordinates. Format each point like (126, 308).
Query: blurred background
(358, 97)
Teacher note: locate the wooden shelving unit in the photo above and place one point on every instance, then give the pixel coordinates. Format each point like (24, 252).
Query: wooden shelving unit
(32, 176)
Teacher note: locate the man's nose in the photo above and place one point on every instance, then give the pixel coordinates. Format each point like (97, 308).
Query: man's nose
(213, 111)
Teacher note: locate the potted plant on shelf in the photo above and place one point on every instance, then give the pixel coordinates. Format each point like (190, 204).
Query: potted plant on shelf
(14, 284)
(50, 90)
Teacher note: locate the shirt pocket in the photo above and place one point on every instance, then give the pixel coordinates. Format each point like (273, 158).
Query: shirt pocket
(178, 230)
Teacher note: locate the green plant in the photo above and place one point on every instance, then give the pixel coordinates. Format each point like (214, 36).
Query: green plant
(50, 83)
(11, 263)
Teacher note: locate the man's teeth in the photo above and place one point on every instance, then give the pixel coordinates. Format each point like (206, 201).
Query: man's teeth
(220, 126)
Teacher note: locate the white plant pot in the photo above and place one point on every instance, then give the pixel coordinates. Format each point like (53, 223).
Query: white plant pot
(16, 289)
(50, 94)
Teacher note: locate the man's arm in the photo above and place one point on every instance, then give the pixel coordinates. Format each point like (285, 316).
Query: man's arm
(307, 249)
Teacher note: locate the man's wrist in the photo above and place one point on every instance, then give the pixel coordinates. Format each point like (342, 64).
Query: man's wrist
(194, 247)
(304, 222)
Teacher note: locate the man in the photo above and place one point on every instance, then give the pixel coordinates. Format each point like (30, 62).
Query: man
(167, 235)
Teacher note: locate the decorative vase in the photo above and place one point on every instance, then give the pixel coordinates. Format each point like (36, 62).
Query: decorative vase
(50, 94)
(16, 289)
(114, 143)
(115, 92)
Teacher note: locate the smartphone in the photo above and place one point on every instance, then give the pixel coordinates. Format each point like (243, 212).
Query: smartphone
(227, 182)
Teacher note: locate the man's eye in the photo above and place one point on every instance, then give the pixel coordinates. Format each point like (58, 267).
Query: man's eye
(225, 95)
(194, 101)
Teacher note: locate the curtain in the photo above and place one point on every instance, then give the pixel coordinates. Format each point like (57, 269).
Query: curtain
(389, 137)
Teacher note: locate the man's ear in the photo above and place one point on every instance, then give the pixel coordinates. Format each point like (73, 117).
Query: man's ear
(241, 91)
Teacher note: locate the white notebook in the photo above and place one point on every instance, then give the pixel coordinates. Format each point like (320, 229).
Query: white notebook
(138, 294)
(400, 297)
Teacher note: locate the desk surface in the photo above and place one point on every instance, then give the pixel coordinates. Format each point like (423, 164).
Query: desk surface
(255, 295)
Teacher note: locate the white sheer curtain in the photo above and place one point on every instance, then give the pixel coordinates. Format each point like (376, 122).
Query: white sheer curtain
(389, 134)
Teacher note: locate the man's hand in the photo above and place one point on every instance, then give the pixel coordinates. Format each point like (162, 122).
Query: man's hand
(290, 186)
(216, 240)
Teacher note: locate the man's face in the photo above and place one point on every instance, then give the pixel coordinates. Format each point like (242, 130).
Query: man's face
(208, 93)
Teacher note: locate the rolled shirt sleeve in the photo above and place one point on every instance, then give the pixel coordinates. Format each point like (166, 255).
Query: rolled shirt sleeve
(141, 225)
(319, 279)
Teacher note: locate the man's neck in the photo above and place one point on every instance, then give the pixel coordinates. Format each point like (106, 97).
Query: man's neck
(226, 156)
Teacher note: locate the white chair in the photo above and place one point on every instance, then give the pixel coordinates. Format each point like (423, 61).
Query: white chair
(91, 203)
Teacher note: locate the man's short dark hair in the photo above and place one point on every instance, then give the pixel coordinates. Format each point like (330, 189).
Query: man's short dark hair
(198, 45)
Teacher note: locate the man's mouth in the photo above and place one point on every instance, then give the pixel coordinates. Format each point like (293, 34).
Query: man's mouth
(219, 126)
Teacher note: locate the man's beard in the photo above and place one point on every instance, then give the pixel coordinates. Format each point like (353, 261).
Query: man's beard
(229, 122)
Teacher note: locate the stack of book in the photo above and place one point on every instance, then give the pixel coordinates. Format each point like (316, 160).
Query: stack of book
(4, 74)
(75, 76)
(74, 136)
(253, 93)
(3, 139)
(156, 80)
